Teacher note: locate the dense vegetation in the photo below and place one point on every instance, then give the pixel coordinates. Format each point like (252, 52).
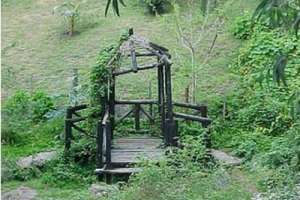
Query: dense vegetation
(241, 58)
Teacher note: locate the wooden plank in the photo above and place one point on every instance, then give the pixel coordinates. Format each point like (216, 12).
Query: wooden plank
(140, 68)
(193, 118)
(142, 101)
(118, 170)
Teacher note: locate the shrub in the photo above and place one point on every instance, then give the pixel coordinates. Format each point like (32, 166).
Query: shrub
(21, 111)
(156, 7)
(242, 28)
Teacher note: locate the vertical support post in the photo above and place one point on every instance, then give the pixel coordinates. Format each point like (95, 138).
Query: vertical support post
(68, 130)
(170, 130)
(99, 145)
(168, 83)
(159, 88)
(162, 99)
(150, 97)
(108, 144)
(207, 138)
(137, 108)
(112, 104)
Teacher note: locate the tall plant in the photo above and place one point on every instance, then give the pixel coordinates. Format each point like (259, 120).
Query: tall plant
(70, 12)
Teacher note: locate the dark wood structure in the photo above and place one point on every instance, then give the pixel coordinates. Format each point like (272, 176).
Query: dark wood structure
(114, 155)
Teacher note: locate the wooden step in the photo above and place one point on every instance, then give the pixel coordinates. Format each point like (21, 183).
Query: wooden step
(118, 171)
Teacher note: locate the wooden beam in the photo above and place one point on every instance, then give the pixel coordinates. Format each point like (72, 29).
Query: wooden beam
(147, 115)
(143, 101)
(133, 57)
(137, 109)
(68, 130)
(193, 118)
(77, 119)
(124, 116)
(99, 145)
(79, 107)
(201, 108)
(145, 67)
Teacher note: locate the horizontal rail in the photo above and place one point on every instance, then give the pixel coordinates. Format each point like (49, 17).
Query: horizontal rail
(138, 69)
(191, 106)
(193, 118)
(142, 54)
(145, 101)
(79, 107)
(77, 119)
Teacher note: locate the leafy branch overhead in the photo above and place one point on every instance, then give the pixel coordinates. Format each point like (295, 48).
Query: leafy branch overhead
(279, 13)
(115, 6)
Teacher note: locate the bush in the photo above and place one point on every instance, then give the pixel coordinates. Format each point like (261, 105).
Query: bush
(155, 7)
(242, 28)
(21, 111)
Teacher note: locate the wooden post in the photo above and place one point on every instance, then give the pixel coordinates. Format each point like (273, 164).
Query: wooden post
(159, 88)
(162, 100)
(168, 83)
(108, 144)
(150, 97)
(99, 145)
(137, 116)
(68, 130)
(187, 94)
(207, 138)
(112, 104)
(170, 124)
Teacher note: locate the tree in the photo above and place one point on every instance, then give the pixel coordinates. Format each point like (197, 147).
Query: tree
(279, 13)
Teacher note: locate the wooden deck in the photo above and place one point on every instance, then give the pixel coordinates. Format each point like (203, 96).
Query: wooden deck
(130, 150)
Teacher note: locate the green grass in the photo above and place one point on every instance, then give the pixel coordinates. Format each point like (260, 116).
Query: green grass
(37, 55)
(41, 137)
(70, 191)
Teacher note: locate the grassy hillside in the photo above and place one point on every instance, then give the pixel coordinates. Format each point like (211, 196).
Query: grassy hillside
(36, 54)
(250, 119)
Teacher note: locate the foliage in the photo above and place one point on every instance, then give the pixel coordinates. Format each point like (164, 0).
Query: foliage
(22, 110)
(70, 12)
(61, 173)
(115, 6)
(279, 13)
(156, 7)
(11, 171)
(242, 28)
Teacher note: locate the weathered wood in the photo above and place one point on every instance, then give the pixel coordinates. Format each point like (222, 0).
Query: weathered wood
(162, 99)
(112, 105)
(108, 144)
(193, 118)
(169, 91)
(147, 115)
(99, 145)
(143, 101)
(68, 130)
(137, 54)
(201, 108)
(79, 107)
(140, 68)
(150, 97)
(119, 171)
(78, 119)
(124, 116)
(137, 109)
(133, 57)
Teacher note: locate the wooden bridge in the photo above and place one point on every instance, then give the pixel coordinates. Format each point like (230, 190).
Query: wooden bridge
(117, 155)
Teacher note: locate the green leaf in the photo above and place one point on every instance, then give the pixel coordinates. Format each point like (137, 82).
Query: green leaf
(107, 6)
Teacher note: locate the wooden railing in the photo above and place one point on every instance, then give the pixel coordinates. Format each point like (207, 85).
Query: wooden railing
(104, 136)
(203, 118)
(72, 117)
